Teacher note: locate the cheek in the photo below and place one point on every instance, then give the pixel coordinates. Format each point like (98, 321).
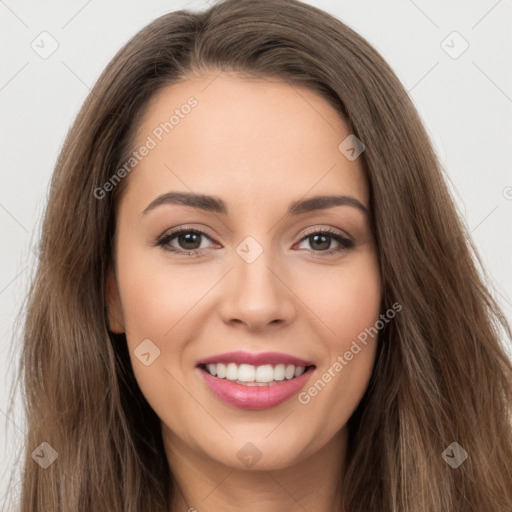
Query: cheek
(350, 309)
(347, 300)
(155, 297)
(157, 309)
(160, 304)
(358, 301)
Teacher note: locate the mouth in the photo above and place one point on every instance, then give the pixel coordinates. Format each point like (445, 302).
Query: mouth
(255, 381)
(250, 375)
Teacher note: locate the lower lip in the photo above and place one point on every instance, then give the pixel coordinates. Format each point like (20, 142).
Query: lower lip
(254, 397)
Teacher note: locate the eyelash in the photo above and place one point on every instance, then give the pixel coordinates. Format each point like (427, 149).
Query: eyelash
(345, 243)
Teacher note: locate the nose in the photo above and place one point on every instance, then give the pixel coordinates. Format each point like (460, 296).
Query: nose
(257, 294)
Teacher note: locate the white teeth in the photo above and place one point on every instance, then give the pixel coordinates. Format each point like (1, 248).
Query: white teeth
(265, 373)
(248, 373)
(289, 372)
(299, 371)
(279, 372)
(221, 370)
(232, 371)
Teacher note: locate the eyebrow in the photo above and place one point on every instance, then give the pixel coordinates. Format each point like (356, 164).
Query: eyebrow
(217, 205)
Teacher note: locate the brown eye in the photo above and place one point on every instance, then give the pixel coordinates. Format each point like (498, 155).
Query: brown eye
(187, 241)
(321, 241)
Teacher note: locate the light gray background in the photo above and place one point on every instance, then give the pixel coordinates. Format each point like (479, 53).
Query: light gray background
(465, 102)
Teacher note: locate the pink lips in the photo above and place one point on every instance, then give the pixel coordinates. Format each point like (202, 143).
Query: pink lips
(255, 397)
(242, 357)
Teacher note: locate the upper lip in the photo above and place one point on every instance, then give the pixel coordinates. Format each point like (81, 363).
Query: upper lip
(241, 357)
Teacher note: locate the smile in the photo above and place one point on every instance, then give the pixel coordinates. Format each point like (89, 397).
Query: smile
(250, 375)
(239, 379)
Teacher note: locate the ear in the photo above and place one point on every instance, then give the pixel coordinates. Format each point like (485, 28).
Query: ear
(113, 302)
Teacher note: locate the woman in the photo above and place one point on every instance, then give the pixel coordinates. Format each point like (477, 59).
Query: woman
(255, 368)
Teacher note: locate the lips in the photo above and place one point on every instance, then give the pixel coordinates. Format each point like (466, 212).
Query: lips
(241, 357)
(279, 376)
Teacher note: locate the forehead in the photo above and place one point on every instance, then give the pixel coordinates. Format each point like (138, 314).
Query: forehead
(250, 139)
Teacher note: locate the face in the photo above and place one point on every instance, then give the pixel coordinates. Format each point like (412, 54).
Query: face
(225, 264)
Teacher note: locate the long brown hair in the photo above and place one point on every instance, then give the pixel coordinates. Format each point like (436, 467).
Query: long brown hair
(441, 373)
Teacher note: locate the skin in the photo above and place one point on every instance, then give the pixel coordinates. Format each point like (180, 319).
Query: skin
(258, 144)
